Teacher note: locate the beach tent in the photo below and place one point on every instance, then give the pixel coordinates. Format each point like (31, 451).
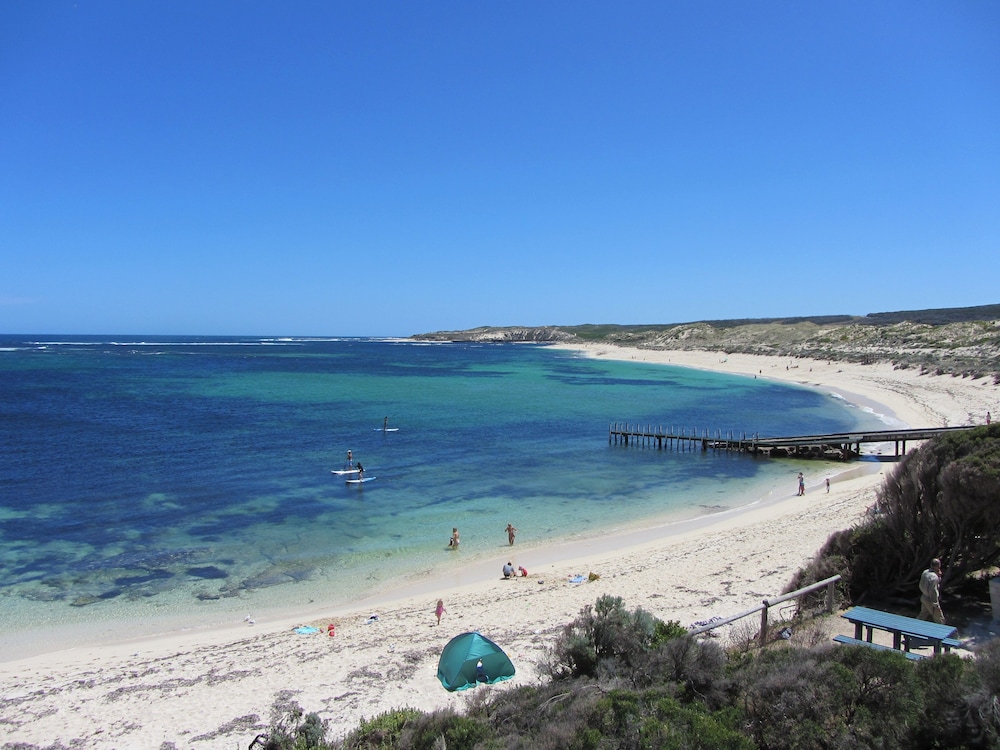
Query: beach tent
(471, 658)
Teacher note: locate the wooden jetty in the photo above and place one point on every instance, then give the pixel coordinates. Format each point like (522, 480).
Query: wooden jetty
(835, 446)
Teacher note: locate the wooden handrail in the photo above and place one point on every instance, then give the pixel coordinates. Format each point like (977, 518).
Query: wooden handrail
(763, 607)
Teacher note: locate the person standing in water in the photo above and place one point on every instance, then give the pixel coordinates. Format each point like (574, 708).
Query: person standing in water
(454, 541)
(510, 533)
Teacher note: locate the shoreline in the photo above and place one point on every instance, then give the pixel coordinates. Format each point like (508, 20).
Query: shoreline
(914, 399)
(215, 686)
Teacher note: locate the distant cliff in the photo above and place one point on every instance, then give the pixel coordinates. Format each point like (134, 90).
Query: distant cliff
(537, 334)
(961, 341)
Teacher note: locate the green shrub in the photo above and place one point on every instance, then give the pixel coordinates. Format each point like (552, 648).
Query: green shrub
(655, 719)
(291, 729)
(445, 729)
(609, 640)
(829, 697)
(696, 668)
(381, 732)
(944, 721)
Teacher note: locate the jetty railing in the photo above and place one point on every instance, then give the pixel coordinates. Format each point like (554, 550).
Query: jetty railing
(765, 606)
(840, 446)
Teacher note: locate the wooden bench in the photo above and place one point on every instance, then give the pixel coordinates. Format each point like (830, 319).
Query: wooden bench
(848, 641)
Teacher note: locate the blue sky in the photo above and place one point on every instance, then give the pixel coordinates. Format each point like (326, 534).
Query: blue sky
(334, 168)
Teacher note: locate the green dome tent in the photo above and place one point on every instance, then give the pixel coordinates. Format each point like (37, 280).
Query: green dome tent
(471, 658)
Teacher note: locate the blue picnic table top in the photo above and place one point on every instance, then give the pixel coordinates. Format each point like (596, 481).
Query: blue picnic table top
(903, 629)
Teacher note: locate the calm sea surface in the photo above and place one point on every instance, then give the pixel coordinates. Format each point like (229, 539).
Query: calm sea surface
(148, 483)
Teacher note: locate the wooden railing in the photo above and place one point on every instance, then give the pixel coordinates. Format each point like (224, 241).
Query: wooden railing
(763, 607)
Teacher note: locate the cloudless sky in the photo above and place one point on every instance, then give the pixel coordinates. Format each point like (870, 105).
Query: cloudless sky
(391, 168)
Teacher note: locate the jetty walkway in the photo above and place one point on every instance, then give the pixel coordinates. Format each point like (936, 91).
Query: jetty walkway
(835, 446)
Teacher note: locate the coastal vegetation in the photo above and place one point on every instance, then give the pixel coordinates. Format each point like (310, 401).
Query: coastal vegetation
(957, 341)
(939, 501)
(620, 678)
(682, 692)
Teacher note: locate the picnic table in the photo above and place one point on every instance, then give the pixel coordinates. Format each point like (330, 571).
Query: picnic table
(906, 631)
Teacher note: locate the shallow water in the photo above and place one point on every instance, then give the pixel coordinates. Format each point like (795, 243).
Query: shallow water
(175, 481)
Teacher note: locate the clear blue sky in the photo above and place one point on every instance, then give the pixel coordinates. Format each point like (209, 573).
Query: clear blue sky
(390, 168)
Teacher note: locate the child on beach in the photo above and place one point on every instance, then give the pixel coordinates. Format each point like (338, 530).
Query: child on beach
(439, 610)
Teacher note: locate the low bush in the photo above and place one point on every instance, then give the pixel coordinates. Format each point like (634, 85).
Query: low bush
(381, 732)
(610, 642)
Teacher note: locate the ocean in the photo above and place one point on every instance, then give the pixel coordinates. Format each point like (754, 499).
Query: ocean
(170, 482)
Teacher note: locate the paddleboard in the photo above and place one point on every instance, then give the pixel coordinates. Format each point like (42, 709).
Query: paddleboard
(341, 472)
(359, 481)
(386, 429)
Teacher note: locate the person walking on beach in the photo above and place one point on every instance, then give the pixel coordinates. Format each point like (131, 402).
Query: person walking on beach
(828, 485)
(930, 593)
(439, 610)
(454, 541)
(802, 484)
(510, 533)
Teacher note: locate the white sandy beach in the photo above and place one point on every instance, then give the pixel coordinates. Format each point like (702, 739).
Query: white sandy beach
(215, 689)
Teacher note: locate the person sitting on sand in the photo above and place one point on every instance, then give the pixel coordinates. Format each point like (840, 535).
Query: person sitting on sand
(522, 571)
(508, 570)
(454, 541)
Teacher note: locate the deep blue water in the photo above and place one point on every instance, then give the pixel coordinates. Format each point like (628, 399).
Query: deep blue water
(178, 475)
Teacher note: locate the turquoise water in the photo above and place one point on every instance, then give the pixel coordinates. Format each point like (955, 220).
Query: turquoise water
(184, 481)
